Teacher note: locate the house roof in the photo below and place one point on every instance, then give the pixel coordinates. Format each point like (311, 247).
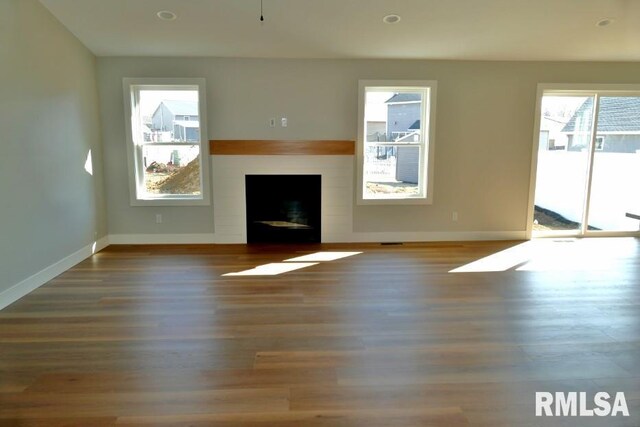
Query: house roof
(617, 114)
(404, 97)
(182, 108)
(415, 125)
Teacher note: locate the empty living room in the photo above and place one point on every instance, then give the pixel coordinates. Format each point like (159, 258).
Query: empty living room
(256, 213)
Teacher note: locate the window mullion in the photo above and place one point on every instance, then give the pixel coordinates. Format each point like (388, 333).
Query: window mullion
(592, 152)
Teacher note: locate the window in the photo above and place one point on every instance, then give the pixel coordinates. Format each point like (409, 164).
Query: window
(599, 143)
(166, 136)
(396, 142)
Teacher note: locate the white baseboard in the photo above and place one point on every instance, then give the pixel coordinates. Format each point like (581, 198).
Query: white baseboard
(161, 239)
(431, 236)
(33, 282)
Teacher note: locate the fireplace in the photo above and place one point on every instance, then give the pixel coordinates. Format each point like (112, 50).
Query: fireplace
(283, 208)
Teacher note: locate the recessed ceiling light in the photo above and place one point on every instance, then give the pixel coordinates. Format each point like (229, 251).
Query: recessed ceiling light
(604, 22)
(166, 15)
(391, 19)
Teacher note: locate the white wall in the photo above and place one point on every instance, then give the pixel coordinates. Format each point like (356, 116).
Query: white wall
(483, 139)
(50, 206)
(561, 182)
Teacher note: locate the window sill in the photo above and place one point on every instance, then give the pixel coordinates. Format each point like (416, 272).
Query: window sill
(413, 201)
(171, 202)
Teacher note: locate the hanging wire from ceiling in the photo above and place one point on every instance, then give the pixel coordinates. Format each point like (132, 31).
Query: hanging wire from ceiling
(261, 12)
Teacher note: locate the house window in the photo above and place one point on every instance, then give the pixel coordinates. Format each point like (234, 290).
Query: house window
(166, 139)
(599, 143)
(396, 142)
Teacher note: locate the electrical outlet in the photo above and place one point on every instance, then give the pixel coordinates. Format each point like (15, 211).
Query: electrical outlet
(272, 122)
(454, 216)
(158, 218)
(284, 122)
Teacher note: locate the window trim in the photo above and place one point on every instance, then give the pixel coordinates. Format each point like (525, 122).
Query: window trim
(131, 87)
(427, 161)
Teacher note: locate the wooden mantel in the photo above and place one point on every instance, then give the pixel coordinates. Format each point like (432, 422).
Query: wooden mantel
(240, 147)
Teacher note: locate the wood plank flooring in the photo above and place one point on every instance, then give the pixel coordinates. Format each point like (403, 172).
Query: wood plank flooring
(157, 336)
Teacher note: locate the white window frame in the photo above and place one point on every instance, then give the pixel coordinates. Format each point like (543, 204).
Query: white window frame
(427, 145)
(132, 87)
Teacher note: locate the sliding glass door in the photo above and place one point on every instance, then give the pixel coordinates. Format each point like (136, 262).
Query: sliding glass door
(566, 123)
(587, 178)
(615, 181)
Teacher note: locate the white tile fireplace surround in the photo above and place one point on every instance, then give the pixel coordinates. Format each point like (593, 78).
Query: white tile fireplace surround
(229, 203)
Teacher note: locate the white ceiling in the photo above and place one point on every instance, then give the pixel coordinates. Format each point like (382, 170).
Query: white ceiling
(435, 29)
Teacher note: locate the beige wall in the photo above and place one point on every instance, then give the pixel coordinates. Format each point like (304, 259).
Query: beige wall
(51, 207)
(483, 140)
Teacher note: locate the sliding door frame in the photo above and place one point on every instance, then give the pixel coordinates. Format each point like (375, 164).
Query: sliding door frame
(572, 89)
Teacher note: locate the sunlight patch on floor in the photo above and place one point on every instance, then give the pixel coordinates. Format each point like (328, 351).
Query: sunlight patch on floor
(273, 269)
(571, 254)
(293, 264)
(322, 256)
(500, 261)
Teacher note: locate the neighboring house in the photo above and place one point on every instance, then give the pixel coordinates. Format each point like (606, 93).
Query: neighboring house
(147, 133)
(403, 125)
(551, 136)
(412, 134)
(376, 131)
(179, 118)
(408, 164)
(186, 130)
(618, 125)
(403, 115)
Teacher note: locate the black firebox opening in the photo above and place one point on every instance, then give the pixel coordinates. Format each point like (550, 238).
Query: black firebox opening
(283, 208)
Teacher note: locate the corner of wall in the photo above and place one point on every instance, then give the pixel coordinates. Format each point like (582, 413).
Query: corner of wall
(38, 279)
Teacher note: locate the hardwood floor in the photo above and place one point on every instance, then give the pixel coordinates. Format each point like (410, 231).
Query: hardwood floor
(157, 336)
